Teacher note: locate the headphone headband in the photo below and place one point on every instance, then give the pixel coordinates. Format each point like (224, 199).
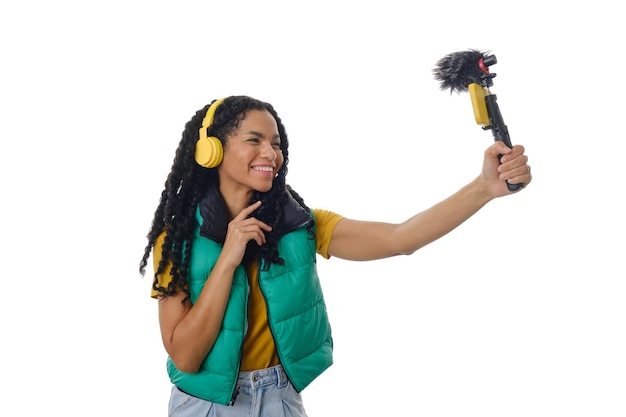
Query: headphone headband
(208, 117)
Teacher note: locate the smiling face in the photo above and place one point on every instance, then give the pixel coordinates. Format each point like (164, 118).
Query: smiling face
(252, 156)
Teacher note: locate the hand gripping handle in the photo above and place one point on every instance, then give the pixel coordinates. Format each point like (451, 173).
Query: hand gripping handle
(499, 129)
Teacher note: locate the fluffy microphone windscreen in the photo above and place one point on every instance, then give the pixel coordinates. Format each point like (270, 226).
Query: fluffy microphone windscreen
(457, 70)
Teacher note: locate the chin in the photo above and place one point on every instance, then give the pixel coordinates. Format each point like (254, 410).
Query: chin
(264, 189)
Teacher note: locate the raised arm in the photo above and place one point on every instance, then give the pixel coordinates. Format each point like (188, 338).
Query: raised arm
(366, 240)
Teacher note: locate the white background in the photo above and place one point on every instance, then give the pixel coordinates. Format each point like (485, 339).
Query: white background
(518, 312)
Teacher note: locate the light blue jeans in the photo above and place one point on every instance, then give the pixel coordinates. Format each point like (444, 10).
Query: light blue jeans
(262, 393)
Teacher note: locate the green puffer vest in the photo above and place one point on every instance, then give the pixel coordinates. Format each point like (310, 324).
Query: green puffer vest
(296, 310)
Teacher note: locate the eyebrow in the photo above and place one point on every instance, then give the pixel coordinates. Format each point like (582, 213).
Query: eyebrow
(261, 135)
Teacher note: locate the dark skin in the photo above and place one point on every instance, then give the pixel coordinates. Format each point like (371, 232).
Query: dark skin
(251, 159)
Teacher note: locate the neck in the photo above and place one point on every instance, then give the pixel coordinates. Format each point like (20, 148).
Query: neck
(236, 200)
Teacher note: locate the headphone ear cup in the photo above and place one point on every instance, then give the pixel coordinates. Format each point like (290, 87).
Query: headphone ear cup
(209, 152)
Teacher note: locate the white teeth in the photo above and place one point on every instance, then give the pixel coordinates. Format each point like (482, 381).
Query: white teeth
(268, 169)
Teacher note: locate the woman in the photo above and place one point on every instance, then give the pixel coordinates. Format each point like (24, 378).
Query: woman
(241, 311)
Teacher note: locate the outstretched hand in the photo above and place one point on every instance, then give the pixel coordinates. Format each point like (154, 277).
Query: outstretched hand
(241, 230)
(512, 166)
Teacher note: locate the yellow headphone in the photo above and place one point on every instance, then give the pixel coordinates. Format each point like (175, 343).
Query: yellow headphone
(209, 150)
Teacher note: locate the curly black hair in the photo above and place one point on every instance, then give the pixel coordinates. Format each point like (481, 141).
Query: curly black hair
(187, 183)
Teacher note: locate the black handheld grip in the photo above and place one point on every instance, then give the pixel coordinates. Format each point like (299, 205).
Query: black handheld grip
(499, 129)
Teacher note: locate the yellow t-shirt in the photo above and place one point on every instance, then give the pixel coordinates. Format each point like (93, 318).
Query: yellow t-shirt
(259, 351)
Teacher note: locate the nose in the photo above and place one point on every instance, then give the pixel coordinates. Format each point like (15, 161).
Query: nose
(268, 151)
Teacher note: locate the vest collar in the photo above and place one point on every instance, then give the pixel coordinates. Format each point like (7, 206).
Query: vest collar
(214, 216)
